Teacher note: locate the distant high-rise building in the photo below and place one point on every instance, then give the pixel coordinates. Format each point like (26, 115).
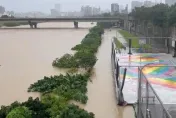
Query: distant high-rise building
(2, 9)
(148, 3)
(170, 2)
(135, 4)
(125, 11)
(58, 7)
(95, 11)
(90, 11)
(121, 7)
(54, 13)
(114, 8)
(86, 10)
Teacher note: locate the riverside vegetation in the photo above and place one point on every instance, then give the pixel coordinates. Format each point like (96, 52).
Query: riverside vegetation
(13, 24)
(85, 52)
(58, 91)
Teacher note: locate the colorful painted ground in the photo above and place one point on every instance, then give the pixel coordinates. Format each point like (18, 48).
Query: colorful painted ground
(158, 72)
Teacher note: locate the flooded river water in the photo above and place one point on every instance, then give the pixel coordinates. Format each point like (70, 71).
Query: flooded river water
(26, 56)
(101, 91)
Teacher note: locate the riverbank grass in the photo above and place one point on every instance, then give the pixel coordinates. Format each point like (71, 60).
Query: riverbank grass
(134, 38)
(12, 24)
(119, 45)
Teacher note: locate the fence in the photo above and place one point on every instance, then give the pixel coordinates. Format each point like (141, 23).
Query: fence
(150, 44)
(114, 69)
(149, 103)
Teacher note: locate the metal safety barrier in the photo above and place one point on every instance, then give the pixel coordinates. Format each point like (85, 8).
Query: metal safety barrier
(149, 104)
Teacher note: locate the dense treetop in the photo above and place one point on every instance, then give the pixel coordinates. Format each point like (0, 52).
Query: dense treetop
(160, 15)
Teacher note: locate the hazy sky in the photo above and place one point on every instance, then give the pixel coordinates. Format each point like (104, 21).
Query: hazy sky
(66, 5)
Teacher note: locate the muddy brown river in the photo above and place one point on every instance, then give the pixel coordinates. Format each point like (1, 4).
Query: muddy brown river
(26, 56)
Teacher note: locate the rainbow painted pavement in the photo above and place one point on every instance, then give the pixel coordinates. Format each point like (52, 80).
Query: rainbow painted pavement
(157, 73)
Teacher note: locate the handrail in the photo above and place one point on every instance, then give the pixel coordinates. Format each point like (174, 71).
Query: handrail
(144, 37)
(148, 66)
(155, 92)
(141, 67)
(149, 113)
(158, 98)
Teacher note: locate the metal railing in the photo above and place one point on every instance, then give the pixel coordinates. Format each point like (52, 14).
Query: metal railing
(149, 104)
(150, 44)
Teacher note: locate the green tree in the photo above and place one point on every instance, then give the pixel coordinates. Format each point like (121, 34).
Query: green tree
(56, 104)
(172, 15)
(6, 109)
(20, 112)
(86, 59)
(66, 61)
(160, 15)
(37, 107)
(73, 111)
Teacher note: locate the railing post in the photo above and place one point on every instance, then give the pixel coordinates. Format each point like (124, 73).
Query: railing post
(117, 73)
(112, 48)
(139, 94)
(147, 98)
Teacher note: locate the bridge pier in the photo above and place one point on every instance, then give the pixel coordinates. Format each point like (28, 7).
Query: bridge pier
(32, 24)
(75, 24)
(35, 25)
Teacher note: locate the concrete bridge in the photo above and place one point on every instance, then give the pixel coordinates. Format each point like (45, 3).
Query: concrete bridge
(33, 21)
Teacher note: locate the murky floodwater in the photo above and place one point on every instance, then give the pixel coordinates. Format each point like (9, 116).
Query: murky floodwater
(101, 91)
(26, 56)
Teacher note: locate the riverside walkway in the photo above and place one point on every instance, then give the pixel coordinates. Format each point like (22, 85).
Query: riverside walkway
(101, 92)
(150, 81)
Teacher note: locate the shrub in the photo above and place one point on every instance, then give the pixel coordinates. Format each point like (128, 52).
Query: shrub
(20, 112)
(13, 24)
(85, 55)
(86, 59)
(6, 109)
(39, 110)
(66, 61)
(56, 104)
(73, 111)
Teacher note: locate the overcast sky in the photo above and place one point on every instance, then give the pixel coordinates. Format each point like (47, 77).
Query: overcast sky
(66, 5)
